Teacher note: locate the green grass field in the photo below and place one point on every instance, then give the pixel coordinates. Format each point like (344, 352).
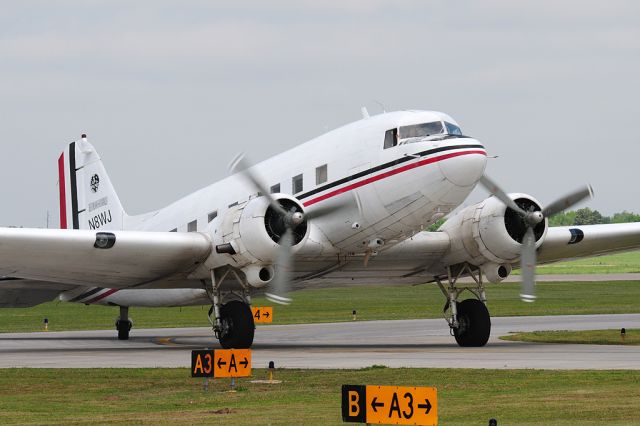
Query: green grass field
(591, 337)
(336, 304)
(170, 396)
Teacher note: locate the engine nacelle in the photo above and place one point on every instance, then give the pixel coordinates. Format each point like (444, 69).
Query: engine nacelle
(490, 233)
(250, 232)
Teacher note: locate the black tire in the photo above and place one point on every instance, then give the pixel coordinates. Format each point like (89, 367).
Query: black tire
(123, 328)
(474, 324)
(237, 325)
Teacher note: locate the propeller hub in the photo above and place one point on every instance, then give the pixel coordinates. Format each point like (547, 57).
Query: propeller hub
(534, 218)
(296, 219)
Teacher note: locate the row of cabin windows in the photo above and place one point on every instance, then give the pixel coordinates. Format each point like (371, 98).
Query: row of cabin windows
(193, 225)
(297, 185)
(297, 182)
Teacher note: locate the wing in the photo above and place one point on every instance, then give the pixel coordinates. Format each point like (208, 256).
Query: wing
(115, 259)
(411, 261)
(567, 242)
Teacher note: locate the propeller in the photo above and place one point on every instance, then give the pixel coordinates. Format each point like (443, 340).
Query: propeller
(291, 218)
(531, 218)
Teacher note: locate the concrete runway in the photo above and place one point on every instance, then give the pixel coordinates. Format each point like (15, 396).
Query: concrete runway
(406, 343)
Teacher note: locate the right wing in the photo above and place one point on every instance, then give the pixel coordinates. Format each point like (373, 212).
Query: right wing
(74, 257)
(568, 242)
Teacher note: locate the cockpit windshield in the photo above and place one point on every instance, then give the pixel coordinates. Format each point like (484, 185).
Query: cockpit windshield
(452, 129)
(436, 130)
(420, 130)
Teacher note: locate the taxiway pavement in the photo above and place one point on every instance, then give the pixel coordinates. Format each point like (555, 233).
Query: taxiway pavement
(357, 344)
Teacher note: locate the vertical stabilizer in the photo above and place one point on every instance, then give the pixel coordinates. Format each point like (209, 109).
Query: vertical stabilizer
(87, 198)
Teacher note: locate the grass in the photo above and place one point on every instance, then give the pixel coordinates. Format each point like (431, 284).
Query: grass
(336, 304)
(170, 396)
(620, 263)
(590, 337)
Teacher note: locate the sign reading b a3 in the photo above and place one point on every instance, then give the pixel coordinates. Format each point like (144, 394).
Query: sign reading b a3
(390, 405)
(262, 314)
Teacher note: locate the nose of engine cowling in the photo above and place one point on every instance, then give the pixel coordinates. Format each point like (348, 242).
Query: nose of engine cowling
(464, 166)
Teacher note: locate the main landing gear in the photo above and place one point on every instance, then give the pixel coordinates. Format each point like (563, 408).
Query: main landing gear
(124, 323)
(469, 319)
(232, 320)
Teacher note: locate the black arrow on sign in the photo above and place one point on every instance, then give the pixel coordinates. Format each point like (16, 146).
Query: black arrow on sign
(266, 314)
(220, 363)
(427, 406)
(375, 404)
(245, 363)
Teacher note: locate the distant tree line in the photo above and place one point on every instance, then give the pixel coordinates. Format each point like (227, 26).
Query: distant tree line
(586, 216)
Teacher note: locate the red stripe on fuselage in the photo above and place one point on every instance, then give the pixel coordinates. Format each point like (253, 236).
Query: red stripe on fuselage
(63, 193)
(102, 296)
(390, 173)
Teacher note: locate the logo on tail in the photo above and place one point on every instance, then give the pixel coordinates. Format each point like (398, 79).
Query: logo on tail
(95, 183)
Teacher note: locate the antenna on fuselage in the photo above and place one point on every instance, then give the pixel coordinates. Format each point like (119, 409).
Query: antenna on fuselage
(365, 113)
(384, 109)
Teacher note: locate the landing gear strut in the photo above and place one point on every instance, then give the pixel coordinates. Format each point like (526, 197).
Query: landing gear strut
(123, 323)
(469, 320)
(232, 321)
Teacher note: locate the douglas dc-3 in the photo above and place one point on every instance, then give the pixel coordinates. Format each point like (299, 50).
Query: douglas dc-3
(349, 206)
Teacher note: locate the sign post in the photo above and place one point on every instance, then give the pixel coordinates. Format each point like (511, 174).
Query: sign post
(389, 405)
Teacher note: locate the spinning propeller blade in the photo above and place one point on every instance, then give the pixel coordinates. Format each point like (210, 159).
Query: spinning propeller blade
(280, 286)
(528, 253)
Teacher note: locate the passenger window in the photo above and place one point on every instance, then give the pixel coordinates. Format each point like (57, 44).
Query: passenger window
(275, 188)
(192, 226)
(296, 184)
(212, 215)
(321, 174)
(391, 138)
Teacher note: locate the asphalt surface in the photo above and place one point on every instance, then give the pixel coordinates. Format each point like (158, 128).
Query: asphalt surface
(406, 343)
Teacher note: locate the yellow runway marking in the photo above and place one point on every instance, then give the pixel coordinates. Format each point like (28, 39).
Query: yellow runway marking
(166, 341)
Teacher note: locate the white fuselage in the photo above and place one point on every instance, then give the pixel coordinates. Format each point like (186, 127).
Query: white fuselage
(387, 194)
(393, 194)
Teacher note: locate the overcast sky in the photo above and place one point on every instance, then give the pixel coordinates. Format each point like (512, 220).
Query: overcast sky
(169, 92)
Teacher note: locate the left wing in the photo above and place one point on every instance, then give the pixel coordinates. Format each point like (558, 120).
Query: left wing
(115, 259)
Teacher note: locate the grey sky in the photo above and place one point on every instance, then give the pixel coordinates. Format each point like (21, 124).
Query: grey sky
(169, 92)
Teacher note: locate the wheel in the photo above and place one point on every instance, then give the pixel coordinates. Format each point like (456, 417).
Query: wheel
(123, 328)
(474, 324)
(237, 325)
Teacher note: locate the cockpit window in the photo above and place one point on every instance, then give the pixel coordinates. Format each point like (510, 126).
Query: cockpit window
(452, 129)
(420, 130)
(390, 138)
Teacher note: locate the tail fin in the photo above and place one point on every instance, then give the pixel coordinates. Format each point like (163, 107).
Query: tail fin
(87, 198)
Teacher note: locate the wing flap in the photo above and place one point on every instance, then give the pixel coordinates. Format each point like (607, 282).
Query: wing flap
(71, 256)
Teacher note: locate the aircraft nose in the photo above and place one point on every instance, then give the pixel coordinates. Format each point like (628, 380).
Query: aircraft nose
(465, 166)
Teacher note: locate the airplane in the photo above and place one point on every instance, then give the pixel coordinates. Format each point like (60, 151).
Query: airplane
(350, 206)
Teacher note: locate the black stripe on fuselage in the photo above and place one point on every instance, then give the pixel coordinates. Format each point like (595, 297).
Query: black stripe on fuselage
(86, 294)
(385, 166)
(74, 186)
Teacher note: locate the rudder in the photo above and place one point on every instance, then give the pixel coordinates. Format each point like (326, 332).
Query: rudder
(87, 197)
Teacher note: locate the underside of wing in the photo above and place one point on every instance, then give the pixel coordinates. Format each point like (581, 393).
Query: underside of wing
(411, 261)
(115, 259)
